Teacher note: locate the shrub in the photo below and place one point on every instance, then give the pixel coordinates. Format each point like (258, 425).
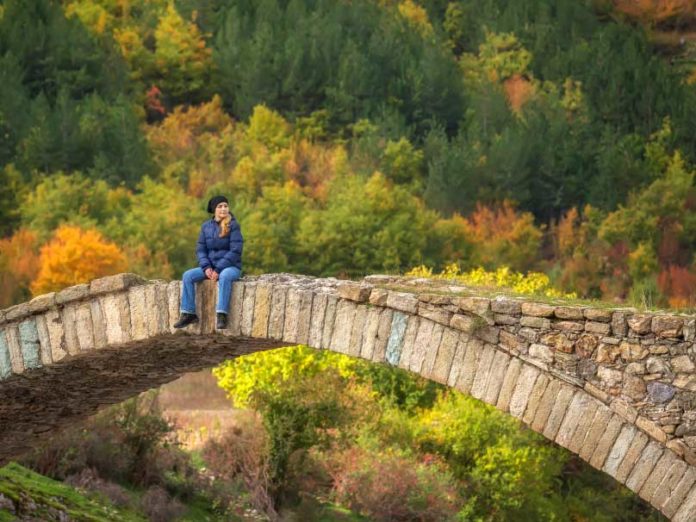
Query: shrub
(394, 487)
(159, 506)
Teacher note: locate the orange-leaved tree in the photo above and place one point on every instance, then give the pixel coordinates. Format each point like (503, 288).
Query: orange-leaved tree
(76, 256)
(19, 263)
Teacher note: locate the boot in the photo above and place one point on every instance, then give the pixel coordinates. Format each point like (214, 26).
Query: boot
(185, 320)
(221, 321)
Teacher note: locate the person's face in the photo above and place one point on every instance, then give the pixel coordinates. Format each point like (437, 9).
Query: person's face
(221, 211)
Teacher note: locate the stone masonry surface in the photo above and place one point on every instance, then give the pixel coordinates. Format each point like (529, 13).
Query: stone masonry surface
(615, 386)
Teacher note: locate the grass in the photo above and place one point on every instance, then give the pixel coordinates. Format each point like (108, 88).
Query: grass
(42, 498)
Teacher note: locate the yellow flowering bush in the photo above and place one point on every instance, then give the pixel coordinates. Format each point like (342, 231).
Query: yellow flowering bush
(532, 283)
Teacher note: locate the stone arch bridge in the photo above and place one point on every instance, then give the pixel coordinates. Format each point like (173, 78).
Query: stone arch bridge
(614, 386)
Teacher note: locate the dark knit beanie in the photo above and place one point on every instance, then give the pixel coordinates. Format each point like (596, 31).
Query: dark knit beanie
(214, 202)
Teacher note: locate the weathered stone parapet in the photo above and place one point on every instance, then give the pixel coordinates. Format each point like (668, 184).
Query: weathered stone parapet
(615, 386)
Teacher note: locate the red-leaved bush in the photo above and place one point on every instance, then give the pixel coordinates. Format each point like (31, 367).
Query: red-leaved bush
(391, 487)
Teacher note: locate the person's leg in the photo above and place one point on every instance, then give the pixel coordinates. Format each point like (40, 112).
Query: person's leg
(227, 277)
(188, 293)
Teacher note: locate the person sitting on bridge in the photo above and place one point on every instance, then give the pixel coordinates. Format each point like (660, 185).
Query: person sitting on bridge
(219, 252)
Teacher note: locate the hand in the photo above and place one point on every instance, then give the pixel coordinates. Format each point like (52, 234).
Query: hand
(210, 274)
(215, 275)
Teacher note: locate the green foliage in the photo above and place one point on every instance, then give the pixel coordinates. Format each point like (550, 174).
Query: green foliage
(164, 220)
(46, 497)
(366, 226)
(354, 59)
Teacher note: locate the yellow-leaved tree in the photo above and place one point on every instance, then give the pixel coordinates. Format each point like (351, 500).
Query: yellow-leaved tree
(76, 256)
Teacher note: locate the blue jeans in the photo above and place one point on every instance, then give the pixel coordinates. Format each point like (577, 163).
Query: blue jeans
(194, 275)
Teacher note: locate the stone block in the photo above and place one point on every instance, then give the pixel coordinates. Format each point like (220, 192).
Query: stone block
(682, 364)
(412, 327)
(434, 313)
(345, 312)
(504, 319)
(467, 372)
(632, 351)
(292, 311)
(99, 322)
(671, 504)
(115, 283)
(70, 328)
(304, 316)
(598, 315)
(598, 427)
(643, 468)
(464, 323)
(512, 343)
(378, 297)
(138, 312)
(84, 329)
(505, 305)
(248, 305)
(535, 322)
(160, 309)
(597, 393)
(432, 350)
(598, 328)
(580, 406)
(535, 397)
(17, 312)
(538, 309)
(41, 303)
(558, 412)
(666, 326)
(316, 325)
(262, 310)
(624, 410)
(583, 427)
(173, 304)
(640, 323)
(44, 342)
(687, 510)
(421, 345)
(509, 384)
(357, 331)
(353, 291)
(496, 379)
(635, 450)
(606, 441)
(15, 348)
(117, 317)
(72, 293)
(572, 313)
(276, 316)
(476, 305)
(5, 359)
(525, 384)
(457, 361)
(396, 338)
(383, 334)
(445, 355)
(483, 371)
(689, 330)
(657, 475)
(619, 449)
(619, 324)
(568, 326)
(545, 404)
(403, 302)
(56, 334)
(369, 337)
(651, 428)
(329, 320)
(29, 343)
(669, 483)
(541, 352)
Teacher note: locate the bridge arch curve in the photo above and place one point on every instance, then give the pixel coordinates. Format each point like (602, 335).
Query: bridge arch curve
(616, 387)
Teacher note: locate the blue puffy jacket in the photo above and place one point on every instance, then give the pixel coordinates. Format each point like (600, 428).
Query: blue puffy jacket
(218, 252)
